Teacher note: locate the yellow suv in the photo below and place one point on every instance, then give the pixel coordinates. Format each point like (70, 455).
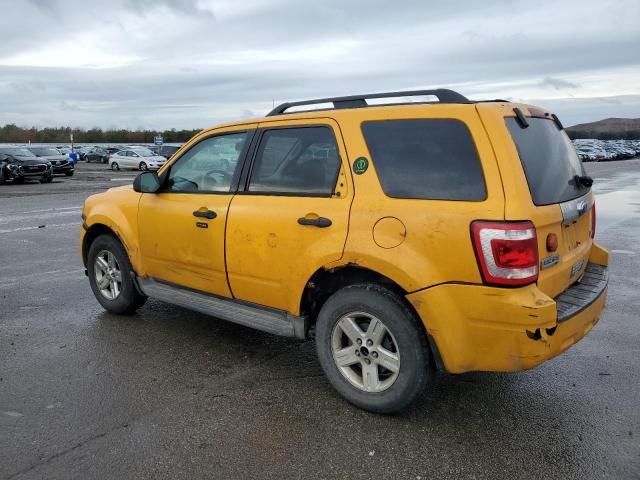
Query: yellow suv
(404, 237)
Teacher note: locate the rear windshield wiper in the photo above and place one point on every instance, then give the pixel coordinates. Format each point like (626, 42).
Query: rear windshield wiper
(585, 180)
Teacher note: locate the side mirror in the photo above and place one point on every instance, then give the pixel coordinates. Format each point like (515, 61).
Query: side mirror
(146, 182)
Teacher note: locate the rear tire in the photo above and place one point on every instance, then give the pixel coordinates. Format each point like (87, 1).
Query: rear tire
(115, 167)
(355, 360)
(110, 277)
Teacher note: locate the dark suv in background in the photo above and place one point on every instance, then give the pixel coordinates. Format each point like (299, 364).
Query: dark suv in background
(18, 164)
(97, 154)
(62, 164)
(166, 151)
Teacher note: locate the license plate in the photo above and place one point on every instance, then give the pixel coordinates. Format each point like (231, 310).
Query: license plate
(576, 268)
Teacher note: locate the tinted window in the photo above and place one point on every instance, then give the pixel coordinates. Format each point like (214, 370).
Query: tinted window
(18, 152)
(426, 159)
(44, 151)
(301, 161)
(549, 160)
(208, 166)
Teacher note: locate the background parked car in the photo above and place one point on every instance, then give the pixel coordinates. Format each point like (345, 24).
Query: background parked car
(594, 150)
(62, 165)
(97, 154)
(140, 158)
(166, 151)
(82, 152)
(18, 164)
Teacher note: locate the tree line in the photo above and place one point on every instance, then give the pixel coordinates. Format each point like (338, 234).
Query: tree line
(604, 135)
(11, 133)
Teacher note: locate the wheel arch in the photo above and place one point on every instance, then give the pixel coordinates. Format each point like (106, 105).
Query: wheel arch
(93, 232)
(325, 282)
(104, 228)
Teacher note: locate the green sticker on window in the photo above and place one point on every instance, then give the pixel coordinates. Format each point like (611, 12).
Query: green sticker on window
(360, 165)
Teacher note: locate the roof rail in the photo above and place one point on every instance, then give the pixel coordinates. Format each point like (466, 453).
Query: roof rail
(358, 101)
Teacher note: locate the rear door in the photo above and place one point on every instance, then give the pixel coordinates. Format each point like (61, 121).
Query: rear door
(125, 158)
(293, 215)
(544, 181)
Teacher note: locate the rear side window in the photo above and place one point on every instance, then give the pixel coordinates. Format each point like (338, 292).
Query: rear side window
(432, 159)
(549, 160)
(296, 161)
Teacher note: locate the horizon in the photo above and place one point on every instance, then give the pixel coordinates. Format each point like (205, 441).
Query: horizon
(152, 130)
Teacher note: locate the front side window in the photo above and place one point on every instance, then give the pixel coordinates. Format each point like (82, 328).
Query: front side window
(296, 161)
(433, 159)
(209, 166)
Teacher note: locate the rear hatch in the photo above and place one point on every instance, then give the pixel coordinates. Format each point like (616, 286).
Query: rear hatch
(545, 182)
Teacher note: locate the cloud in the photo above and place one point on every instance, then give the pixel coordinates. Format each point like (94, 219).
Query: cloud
(557, 83)
(191, 63)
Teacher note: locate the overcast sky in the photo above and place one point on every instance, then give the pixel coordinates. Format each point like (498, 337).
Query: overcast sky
(191, 63)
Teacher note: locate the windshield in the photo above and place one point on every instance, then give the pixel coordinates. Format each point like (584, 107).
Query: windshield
(43, 151)
(550, 162)
(17, 152)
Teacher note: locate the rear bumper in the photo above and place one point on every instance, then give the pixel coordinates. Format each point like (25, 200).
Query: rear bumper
(481, 328)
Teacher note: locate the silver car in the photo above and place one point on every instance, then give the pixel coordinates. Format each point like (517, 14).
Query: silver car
(139, 158)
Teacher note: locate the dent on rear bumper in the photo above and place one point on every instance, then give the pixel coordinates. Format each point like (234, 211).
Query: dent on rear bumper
(482, 328)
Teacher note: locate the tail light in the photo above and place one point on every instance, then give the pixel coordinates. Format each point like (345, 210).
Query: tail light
(507, 252)
(593, 220)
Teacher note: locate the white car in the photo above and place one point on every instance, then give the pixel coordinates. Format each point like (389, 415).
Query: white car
(139, 158)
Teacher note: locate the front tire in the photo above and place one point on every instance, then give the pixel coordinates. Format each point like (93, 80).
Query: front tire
(69, 174)
(143, 166)
(372, 348)
(110, 277)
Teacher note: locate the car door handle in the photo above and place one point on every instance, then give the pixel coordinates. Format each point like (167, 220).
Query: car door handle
(210, 214)
(319, 222)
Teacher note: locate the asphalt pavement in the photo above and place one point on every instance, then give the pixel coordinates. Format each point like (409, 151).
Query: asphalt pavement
(168, 393)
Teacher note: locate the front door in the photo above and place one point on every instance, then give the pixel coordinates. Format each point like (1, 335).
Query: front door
(182, 227)
(292, 217)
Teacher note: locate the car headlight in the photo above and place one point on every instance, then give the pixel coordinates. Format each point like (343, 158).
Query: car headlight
(13, 167)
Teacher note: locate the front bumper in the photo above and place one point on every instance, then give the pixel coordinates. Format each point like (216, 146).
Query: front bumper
(65, 168)
(482, 328)
(30, 171)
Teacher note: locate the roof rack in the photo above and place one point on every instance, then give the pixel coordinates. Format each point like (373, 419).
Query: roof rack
(358, 101)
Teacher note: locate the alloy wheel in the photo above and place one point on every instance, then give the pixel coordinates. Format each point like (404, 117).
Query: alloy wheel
(365, 352)
(108, 275)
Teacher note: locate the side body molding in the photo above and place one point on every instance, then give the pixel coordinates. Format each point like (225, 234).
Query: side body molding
(262, 318)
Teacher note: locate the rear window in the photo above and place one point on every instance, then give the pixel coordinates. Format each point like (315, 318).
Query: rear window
(549, 160)
(432, 159)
